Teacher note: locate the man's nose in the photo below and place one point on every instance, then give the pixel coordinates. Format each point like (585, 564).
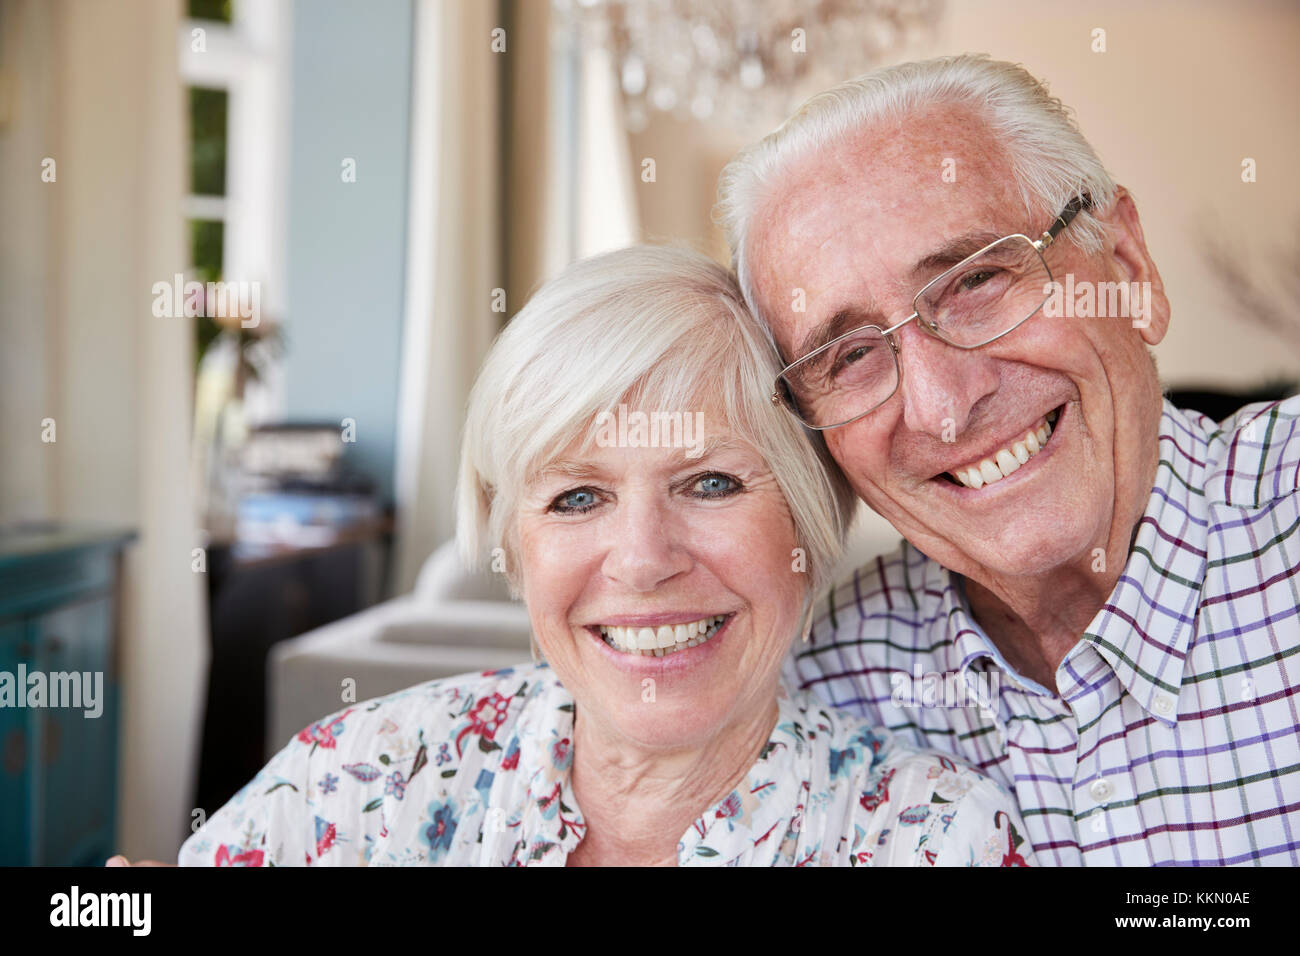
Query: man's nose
(645, 547)
(941, 383)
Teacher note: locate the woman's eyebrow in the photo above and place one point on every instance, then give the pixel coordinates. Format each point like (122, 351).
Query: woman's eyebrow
(567, 468)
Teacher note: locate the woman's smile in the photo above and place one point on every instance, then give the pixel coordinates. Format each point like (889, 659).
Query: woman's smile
(693, 641)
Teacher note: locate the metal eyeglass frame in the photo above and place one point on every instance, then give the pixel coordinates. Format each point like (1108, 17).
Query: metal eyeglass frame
(781, 392)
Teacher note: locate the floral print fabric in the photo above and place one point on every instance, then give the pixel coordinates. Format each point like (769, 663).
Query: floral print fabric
(475, 771)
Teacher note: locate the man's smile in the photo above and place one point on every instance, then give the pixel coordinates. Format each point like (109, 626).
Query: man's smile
(1002, 460)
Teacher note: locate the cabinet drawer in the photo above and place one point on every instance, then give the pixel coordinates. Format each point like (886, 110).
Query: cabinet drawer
(75, 742)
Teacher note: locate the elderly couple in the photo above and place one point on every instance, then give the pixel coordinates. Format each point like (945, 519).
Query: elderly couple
(1125, 576)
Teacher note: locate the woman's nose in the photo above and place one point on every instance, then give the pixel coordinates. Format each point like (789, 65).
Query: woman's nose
(644, 548)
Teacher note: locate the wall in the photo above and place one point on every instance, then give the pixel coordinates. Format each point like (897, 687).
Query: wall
(1183, 92)
(351, 81)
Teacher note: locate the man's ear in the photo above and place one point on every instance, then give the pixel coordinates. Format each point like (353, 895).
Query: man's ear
(1136, 265)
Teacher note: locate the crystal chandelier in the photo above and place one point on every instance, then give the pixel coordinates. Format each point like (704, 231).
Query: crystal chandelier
(743, 62)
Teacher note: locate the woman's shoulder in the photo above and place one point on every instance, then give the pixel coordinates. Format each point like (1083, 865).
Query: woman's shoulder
(903, 805)
(488, 703)
(336, 789)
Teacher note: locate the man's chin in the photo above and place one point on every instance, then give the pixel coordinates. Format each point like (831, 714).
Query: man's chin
(1015, 547)
(1014, 555)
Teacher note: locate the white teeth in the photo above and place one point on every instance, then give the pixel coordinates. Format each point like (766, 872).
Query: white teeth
(1006, 460)
(661, 641)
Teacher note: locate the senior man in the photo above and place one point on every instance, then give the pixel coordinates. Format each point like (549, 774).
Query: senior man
(1096, 601)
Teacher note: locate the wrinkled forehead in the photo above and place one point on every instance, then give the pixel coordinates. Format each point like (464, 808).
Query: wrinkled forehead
(868, 208)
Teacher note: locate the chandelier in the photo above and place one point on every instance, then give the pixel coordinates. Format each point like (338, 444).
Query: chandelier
(742, 62)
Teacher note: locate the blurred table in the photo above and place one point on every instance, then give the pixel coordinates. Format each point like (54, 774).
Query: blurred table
(260, 594)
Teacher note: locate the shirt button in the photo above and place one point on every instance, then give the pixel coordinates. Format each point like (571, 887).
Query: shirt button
(1164, 705)
(1101, 790)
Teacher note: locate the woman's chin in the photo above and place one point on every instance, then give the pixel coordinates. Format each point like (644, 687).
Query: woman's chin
(667, 725)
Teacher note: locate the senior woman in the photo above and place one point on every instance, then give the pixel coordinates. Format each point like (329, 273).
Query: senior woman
(667, 528)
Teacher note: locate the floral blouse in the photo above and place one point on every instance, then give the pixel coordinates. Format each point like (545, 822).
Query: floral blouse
(475, 771)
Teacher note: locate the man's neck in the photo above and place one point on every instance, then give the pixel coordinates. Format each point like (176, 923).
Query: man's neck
(1035, 646)
(1035, 621)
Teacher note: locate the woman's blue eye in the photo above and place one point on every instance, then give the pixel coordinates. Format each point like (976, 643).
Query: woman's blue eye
(716, 486)
(580, 499)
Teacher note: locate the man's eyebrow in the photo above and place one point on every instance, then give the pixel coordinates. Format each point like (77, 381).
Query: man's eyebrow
(846, 319)
(926, 268)
(953, 252)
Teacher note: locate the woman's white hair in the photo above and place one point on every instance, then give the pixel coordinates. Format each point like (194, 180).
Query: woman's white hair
(658, 328)
(1051, 161)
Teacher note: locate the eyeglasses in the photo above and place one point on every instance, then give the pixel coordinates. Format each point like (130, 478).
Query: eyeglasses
(982, 298)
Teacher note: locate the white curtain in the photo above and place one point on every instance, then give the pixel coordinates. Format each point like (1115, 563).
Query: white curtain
(98, 92)
(492, 211)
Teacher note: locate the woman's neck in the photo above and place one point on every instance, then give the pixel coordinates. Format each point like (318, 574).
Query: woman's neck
(637, 803)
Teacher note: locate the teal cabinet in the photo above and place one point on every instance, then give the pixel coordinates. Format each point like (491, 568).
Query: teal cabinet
(58, 653)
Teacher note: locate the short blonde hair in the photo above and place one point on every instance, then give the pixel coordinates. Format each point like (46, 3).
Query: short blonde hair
(667, 326)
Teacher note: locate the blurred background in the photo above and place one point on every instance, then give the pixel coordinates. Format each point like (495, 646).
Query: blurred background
(234, 500)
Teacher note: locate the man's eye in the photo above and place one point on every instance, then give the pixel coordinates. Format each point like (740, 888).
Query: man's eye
(974, 280)
(577, 500)
(853, 355)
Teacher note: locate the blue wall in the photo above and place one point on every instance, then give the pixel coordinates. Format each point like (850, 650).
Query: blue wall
(346, 259)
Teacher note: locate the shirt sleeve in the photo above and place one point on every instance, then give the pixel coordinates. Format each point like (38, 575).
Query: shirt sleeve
(936, 811)
(263, 824)
(986, 830)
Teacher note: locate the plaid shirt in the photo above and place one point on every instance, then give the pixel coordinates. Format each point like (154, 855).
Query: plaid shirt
(1173, 736)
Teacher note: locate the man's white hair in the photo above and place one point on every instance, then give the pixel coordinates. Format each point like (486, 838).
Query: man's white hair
(656, 328)
(1051, 161)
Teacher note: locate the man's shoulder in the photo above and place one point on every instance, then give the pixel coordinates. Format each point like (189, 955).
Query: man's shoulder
(901, 588)
(1255, 454)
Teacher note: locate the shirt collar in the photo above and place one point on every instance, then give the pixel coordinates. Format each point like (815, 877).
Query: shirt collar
(966, 642)
(1144, 628)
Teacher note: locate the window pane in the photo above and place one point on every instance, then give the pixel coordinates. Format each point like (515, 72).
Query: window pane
(209, 10)
(208, 141)
(207, 237)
